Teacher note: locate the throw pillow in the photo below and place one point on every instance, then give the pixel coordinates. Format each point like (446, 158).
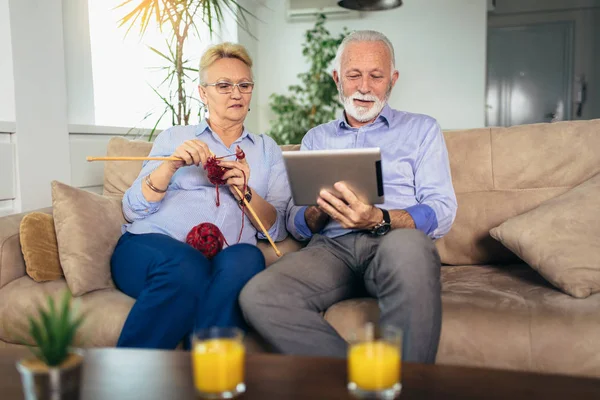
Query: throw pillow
(88, 227)
(39, 247)
(120, 175)
(559, 239)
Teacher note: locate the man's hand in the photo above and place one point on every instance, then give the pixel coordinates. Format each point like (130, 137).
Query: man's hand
(349, 211)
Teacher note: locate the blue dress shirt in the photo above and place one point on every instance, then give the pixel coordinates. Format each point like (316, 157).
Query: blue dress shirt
(415, 166)
(191, 198)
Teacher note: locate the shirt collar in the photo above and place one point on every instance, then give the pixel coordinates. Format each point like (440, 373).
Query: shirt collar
(203, 127)
(385, 115)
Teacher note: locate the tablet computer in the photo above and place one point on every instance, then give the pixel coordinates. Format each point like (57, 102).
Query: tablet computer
(312, 170)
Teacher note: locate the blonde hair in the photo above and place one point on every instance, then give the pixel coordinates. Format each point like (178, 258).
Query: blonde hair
(223, 50)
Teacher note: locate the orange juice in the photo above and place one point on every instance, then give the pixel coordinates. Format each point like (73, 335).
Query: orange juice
(374, 365)
(218, 365)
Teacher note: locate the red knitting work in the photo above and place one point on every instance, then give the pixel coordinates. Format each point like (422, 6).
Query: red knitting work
(215, 174)
(206, 237)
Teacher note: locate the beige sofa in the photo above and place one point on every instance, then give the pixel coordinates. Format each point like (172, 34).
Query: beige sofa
(497, 312)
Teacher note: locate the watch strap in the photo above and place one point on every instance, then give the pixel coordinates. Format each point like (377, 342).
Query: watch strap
(386, 216)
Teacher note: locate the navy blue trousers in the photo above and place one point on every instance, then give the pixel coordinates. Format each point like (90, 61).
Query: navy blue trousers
(177, 289)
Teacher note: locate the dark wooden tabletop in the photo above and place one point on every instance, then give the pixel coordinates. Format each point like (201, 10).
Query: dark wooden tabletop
(147, 374)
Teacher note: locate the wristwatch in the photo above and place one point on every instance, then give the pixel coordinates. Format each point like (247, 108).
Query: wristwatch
(247, 196)
(384, 226)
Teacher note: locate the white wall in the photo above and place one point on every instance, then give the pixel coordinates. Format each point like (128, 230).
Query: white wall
(7, 88)
(41, 136)
(440, 53)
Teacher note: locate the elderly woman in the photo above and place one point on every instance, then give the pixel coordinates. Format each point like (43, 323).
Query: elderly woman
(177, 289)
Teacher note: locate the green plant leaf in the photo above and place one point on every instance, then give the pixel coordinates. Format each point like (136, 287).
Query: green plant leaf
(54, 329)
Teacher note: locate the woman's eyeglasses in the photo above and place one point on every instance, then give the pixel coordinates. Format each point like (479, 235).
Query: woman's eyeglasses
(227, 87)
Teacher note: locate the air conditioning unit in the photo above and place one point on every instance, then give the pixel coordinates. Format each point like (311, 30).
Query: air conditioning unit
(306, 10)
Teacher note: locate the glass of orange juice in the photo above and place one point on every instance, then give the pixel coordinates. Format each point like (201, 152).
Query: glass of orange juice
(218, 356)
(375, 362)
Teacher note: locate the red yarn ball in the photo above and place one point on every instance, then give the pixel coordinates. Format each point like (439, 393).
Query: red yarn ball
(206, 238)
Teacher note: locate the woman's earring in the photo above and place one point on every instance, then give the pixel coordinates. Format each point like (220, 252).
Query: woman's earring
(203, 111)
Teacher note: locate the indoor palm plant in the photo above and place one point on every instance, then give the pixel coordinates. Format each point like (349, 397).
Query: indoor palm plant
(179, 19)
(315, 100)
(54, 371)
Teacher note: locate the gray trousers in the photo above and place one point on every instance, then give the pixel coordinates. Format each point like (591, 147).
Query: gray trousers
(401, 270)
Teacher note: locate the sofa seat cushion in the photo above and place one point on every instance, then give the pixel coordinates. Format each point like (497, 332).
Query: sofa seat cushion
(106, 311)
(287, 245)
(503, 317)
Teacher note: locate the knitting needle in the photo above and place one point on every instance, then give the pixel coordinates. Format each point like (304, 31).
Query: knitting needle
(258, 221)
(170, 158)
(238, 192)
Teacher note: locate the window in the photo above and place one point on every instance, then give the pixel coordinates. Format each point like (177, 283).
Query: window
(125, 69)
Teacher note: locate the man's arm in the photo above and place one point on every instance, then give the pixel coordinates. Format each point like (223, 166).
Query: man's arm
(401, 219)
(436, 205)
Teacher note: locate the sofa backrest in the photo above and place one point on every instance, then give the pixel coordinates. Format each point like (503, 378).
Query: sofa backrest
(497, 173)
(502, 172)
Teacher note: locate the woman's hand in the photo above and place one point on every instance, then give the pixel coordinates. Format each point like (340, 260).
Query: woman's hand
(191, 152)
(237, 174)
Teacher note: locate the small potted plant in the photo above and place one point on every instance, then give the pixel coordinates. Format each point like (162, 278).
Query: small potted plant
(55, 370)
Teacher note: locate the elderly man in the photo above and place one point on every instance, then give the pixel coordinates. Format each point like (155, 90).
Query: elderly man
(387, 251)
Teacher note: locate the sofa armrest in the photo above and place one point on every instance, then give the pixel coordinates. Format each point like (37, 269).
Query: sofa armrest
(12, 264)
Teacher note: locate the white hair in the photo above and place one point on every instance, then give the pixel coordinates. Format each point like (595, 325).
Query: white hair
(363, 36)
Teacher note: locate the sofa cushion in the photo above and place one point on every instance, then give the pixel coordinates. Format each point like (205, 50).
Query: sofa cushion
(560, 239)
(105, 311)
(119, 175)
(498, 173)
(12, 264)
(287, 245)
(88, 227)
(503, 317)
(39, 247)
(469, 240)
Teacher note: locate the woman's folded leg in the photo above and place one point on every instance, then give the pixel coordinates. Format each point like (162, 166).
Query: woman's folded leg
(233, 267)
(168, 279)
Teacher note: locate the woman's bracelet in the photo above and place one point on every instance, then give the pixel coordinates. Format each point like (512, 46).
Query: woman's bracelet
(152, 187)
(247, 196)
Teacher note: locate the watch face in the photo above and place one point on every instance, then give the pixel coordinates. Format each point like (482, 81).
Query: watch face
(382, 230)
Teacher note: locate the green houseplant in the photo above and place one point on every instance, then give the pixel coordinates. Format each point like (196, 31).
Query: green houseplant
(315, 100)
(54, 371)
(179, 19)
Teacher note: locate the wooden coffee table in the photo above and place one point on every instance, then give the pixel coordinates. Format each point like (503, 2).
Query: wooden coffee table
(112, 374)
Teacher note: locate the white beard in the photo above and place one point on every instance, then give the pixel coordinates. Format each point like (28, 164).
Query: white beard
(362, 114)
